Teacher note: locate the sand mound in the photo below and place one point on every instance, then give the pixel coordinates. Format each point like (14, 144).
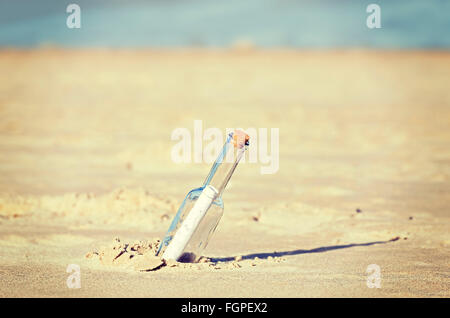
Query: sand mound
(140, 256)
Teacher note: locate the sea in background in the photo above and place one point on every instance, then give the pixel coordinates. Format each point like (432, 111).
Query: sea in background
(202, 23)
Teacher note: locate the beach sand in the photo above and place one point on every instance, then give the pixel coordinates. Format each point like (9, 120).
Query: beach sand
(364, 171)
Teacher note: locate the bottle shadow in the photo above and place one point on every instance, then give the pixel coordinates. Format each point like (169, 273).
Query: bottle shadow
(299, 251)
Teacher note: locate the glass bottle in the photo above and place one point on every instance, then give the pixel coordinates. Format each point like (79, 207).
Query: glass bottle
(202, 208)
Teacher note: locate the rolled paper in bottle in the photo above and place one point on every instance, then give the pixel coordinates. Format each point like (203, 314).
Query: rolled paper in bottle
(181, 238)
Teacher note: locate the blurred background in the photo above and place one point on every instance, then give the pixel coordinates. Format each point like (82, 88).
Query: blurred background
(202, 23)
(93, 109)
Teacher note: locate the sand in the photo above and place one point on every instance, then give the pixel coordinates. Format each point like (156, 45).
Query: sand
(364, 177)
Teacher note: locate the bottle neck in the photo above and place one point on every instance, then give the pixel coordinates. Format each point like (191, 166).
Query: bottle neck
(225, 164)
